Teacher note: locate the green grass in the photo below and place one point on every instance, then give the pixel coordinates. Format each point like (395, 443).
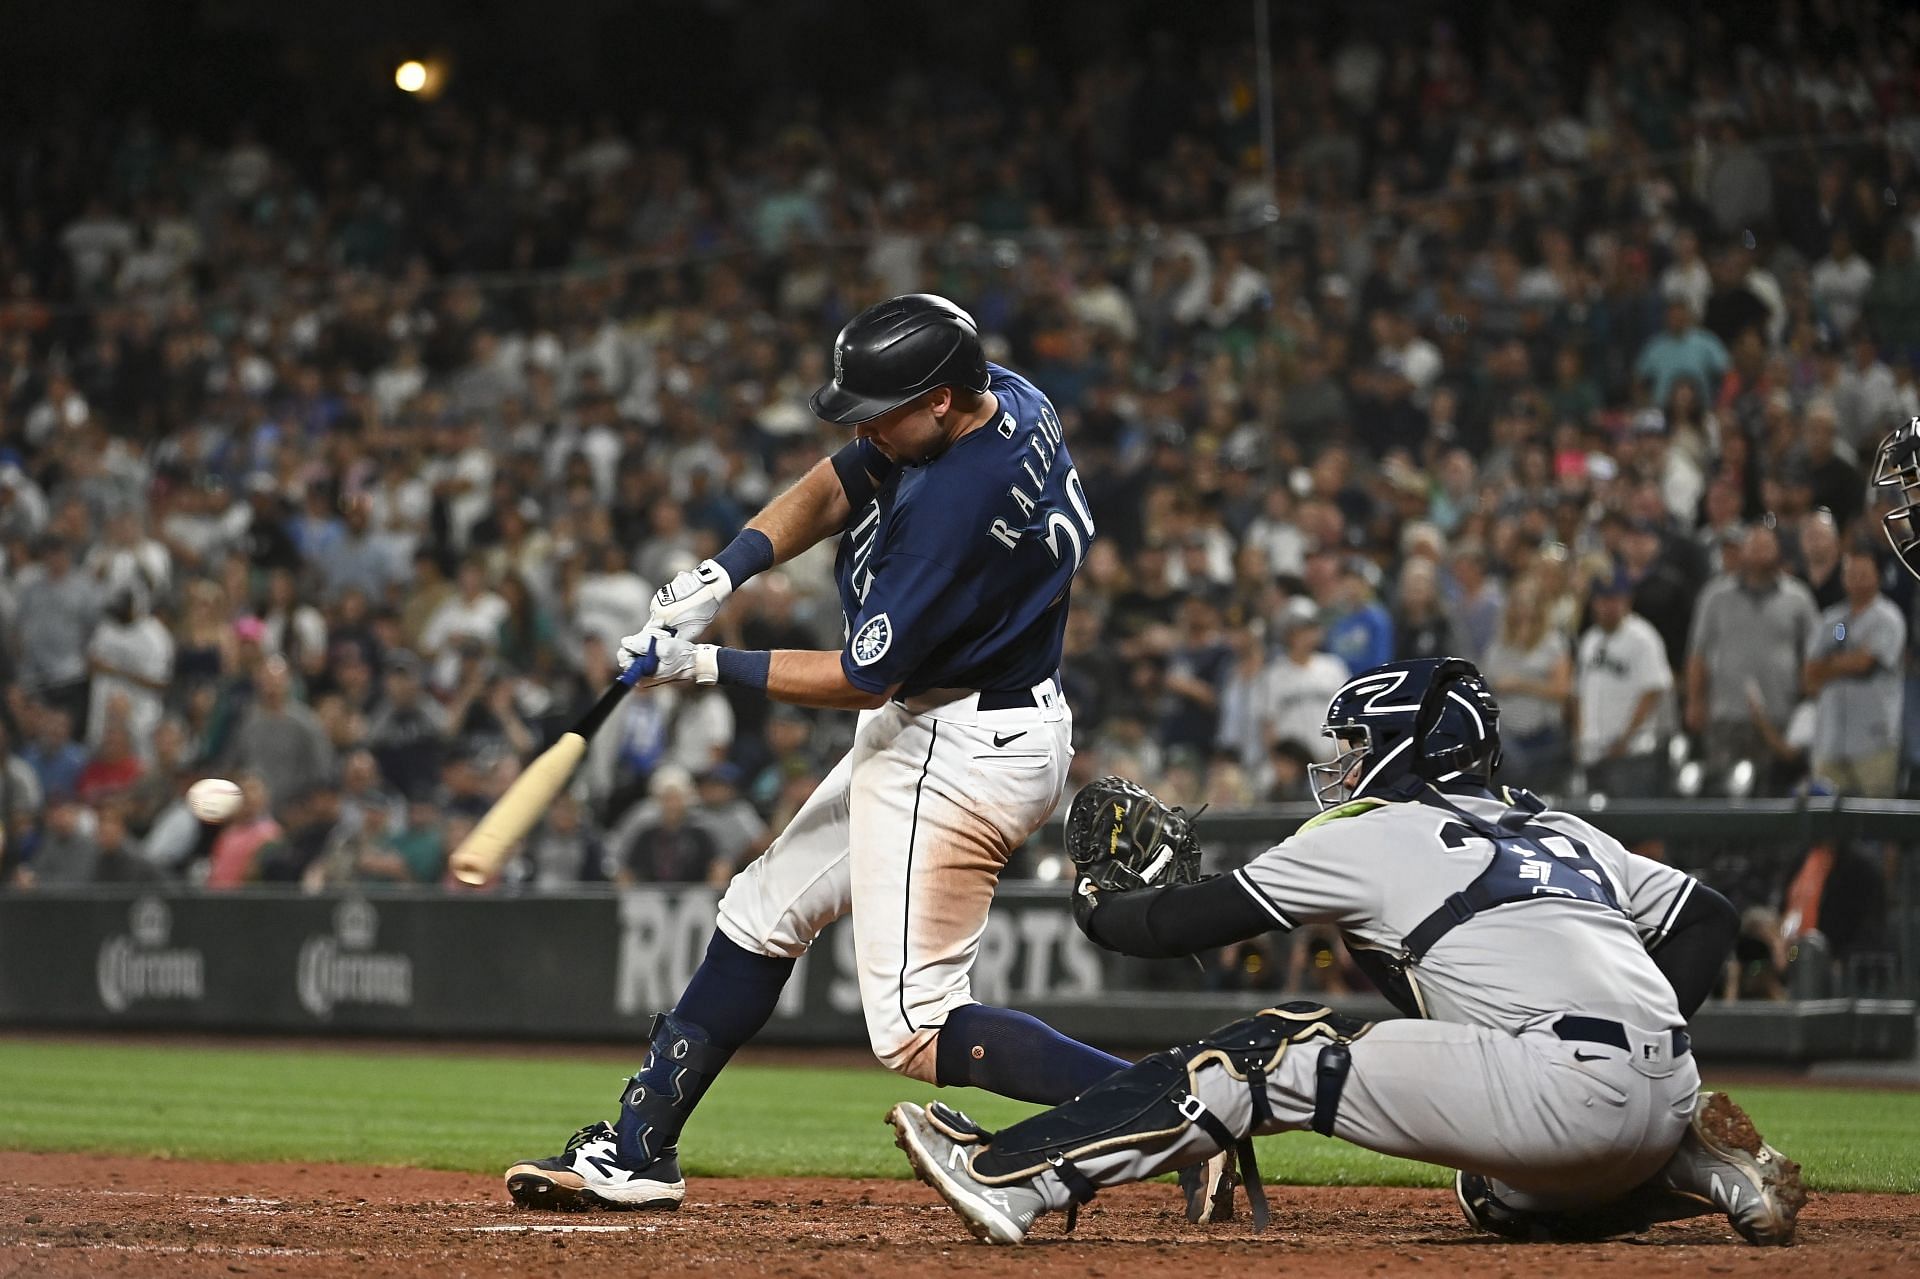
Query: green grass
(455, 1110)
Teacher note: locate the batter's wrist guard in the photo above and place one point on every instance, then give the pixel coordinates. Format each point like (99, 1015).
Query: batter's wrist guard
(743, 667)
(749, 554)
(1151, 1105)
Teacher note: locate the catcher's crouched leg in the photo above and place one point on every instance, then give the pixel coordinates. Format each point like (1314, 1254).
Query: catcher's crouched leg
(1166, 1112)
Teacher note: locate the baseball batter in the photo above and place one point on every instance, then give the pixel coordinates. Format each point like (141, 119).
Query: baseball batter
(961, 523)
(1546, 972)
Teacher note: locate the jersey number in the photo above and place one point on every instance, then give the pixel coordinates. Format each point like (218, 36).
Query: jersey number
(1538, 866)
(1058, 524)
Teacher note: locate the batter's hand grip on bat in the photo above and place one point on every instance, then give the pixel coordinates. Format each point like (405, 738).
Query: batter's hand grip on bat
(642, 666)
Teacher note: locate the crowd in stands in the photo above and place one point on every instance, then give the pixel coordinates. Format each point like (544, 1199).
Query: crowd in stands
(341, 471)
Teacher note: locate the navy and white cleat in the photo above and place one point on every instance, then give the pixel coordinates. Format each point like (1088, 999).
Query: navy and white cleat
(588, 1174)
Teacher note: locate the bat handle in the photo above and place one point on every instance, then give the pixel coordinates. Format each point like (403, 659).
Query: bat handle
(640, 667)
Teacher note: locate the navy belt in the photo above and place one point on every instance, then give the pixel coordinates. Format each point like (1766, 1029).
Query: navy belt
(1005, 699)
(1598, 1030)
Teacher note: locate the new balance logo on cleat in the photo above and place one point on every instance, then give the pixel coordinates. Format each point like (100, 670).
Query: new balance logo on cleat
(589, 1174)
(1723, 1161)
(1726, 1196)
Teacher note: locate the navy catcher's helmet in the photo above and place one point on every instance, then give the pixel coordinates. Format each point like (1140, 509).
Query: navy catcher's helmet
(895, 350)
(1433, 718)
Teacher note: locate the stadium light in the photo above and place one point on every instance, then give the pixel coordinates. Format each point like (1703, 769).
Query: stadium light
(410, 76)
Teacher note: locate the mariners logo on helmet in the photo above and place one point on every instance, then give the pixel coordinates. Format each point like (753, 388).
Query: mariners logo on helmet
(873, 640)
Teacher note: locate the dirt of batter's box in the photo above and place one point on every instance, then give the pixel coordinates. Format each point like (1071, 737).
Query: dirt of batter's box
(100, 1215)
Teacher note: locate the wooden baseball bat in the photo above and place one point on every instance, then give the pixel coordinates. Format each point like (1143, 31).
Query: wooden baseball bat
(486, 848)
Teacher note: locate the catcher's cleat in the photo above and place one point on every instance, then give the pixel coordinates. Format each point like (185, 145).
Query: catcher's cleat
(1484, 1210)
(1209, 1188)
(588, 1174)
(993, 1214)
(1723, 1161)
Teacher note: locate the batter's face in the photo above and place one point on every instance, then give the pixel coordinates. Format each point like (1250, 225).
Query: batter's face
(916, 432)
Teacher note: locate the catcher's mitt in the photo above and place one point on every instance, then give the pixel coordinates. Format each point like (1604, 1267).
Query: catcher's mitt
(1121, 838)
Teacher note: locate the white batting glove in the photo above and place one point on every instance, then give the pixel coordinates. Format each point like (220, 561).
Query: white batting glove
(675, 661)
(685, 606)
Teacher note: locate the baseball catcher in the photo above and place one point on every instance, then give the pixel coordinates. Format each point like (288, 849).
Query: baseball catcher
(1546, 975)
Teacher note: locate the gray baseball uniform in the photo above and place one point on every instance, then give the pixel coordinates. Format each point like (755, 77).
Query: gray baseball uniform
(1483, 1083)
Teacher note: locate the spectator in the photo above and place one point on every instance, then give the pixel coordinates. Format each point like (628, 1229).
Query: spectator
(1361, 634)
(279, 738)
(1194, 673)
(1246, 690)
(739, 834)
(68, 851)
(1532, 673)
(406, 733)
(1862, 406)
(114, 770)
(473, 612)
(56, 759)
(294, 630)
(1662, 590)
(564, 850)
(20, 798)
(234, 860)
(1751, 629)
(57, 611)
(131, 658)
(1841, 281)
(672, 848)
(1683, 350)
(610, 596)
(1820, 559)
(688, 728)
(1420, 626)
(1622, 679)
(1303, 680)
(1854, 670)
(1837, 485)
(120, 859)
(1477, 603)
(1893, 301)
(312, 831)
(415, 852)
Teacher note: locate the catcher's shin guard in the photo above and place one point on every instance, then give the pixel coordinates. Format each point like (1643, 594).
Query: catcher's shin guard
(680, 1066)
(1150, 1107)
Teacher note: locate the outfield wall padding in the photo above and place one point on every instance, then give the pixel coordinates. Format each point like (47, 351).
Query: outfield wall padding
(596, 966)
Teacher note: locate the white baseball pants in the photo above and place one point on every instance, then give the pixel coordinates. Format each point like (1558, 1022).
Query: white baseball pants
(910, 832)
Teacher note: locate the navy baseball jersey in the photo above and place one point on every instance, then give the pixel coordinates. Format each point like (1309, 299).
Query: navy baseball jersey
(956, 574)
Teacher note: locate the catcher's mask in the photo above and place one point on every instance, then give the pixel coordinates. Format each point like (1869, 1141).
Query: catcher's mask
(1434, 718)
(1899, 464)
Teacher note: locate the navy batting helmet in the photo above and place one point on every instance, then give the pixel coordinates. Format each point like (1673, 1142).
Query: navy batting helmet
(1433, 718)
(895, 350)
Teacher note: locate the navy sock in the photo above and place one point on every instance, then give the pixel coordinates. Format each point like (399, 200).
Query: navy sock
(733, 992)
(729, 999)
(1017, 1056)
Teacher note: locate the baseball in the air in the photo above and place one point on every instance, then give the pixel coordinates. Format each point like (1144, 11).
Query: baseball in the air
(213, 799)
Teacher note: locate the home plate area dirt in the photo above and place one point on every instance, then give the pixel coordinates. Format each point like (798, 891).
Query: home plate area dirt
(97, 1215)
